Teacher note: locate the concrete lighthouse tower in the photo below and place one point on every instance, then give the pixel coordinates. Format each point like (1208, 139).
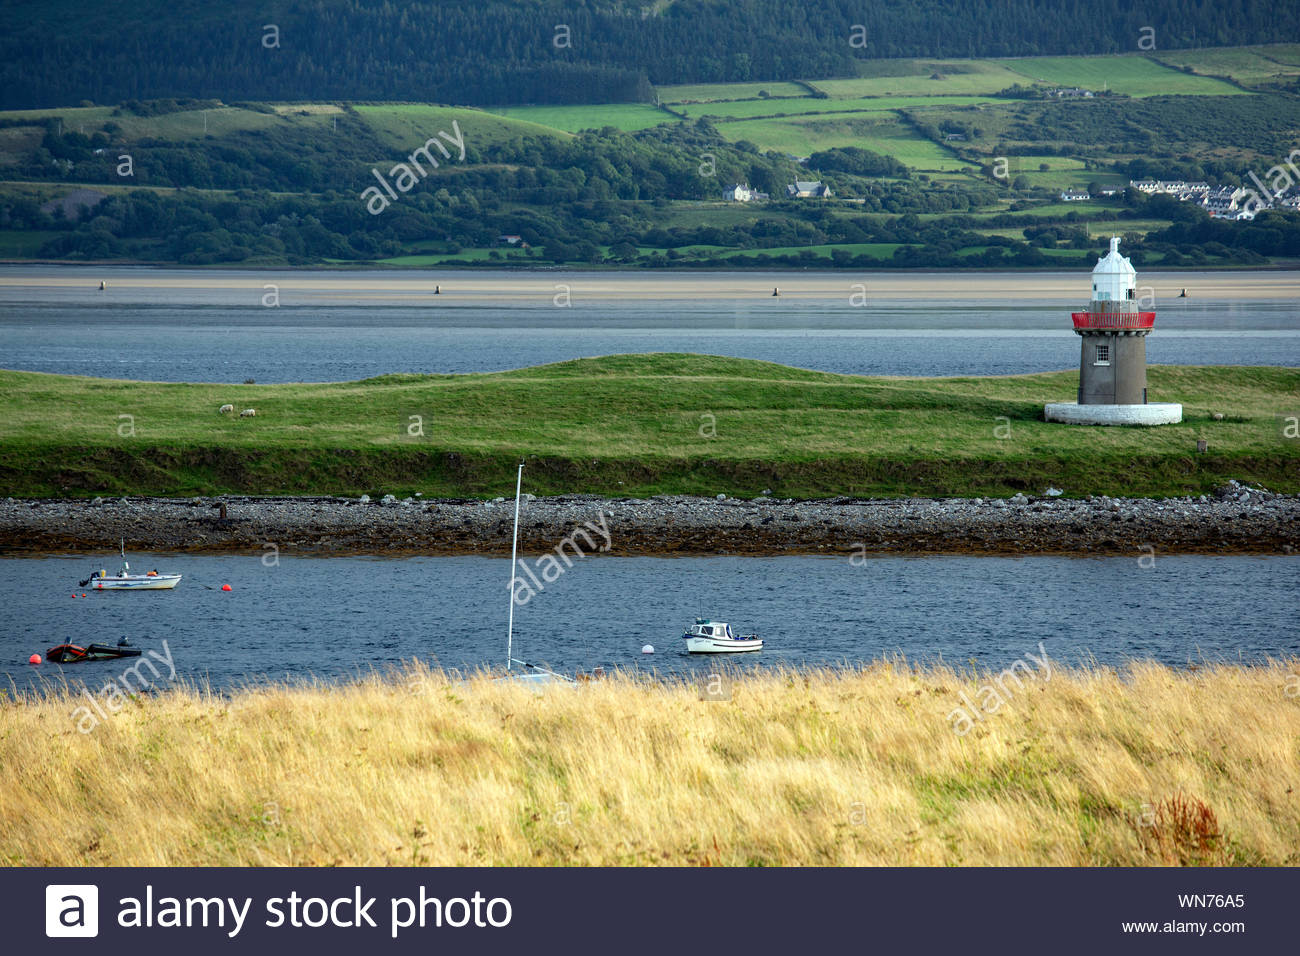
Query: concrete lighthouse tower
(1113, 354)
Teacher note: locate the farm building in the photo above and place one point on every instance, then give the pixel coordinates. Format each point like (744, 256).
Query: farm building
(808, 190)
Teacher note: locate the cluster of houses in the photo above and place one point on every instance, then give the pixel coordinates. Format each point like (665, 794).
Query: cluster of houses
(741, 192)
(1068, 93)
(1222, 202)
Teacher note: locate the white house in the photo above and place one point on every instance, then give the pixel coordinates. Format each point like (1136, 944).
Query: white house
(1074, 195)
(742, 193)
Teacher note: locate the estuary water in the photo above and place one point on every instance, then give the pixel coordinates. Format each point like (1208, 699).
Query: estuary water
(336, 618)
(229, 326)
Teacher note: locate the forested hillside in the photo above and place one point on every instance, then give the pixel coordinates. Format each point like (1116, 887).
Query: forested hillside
(62, 52)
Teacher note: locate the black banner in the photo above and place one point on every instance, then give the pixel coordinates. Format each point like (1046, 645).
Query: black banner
(197, 911)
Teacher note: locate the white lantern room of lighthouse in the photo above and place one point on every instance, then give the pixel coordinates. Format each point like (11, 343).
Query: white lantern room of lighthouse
(1114, 278)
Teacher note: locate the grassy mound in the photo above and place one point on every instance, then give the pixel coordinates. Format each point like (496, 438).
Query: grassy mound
(639, 424)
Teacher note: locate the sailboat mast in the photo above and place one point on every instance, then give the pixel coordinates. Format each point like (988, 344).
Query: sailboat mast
(514, 550)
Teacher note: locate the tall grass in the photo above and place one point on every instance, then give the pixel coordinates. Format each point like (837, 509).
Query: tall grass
(1145, 766)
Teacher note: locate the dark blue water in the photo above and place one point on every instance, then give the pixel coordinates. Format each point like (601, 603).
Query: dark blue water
(335, 618)
(222, 334)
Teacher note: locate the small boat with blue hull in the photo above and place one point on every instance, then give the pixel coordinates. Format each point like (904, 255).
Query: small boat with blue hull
(716, 637)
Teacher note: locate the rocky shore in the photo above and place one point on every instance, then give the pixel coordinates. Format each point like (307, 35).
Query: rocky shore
(1235, 519)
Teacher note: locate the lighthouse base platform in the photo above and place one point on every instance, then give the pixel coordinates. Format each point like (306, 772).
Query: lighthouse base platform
(1072, 413)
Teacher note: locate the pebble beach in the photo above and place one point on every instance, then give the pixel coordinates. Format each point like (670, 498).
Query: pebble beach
(1235, 519)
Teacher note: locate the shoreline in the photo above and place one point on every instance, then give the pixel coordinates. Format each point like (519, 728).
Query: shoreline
(1234, 520)
(465, 286)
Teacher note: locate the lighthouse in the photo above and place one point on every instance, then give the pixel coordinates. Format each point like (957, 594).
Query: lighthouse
(1113, 354)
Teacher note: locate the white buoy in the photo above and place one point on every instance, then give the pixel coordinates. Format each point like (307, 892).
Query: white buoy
(648, 649)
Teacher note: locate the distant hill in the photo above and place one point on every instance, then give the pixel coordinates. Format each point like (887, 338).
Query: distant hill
(61, 52)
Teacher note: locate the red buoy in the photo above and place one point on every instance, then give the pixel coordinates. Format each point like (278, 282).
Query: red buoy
(225, 587)
(74, 593)
(34, 659)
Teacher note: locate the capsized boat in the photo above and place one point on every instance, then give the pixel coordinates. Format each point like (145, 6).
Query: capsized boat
(716, 637)
(124, 580)
(75, 653)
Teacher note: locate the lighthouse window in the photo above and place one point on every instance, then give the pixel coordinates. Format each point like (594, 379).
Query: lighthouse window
(1128, 293)
(1103, 355)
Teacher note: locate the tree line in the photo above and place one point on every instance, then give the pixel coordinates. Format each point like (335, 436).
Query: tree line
(550, 51)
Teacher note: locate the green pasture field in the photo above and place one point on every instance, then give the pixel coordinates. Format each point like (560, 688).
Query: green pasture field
(404, 126)
(573, 119)
(879, 250)
(747, 109)
(1129, 74)
(438, 258)
(173, 127)
(803, 135)
(1064, 172)
(629, 424)
(953, 76)
(712, 92)
(72, 116)
(1249, 66)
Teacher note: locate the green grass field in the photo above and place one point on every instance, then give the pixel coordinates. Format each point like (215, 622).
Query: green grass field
(746, 109)
(1129, 74)
(632, 424)
(438, 258)
(880, 133)
(1249, 66)
(880, 250)
(707, 92)
(405, 126)
(72, 116)
(180, 126)
(931, 78)
(572, 119)
(1063, 172)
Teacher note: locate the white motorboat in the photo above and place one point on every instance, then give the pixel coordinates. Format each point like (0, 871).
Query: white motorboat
(124, 580)
(715, 637)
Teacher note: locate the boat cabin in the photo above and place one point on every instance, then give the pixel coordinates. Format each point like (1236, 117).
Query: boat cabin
(714, 629)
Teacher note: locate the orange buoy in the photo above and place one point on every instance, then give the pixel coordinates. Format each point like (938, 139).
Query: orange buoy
(83, 593)
(34, 659)
(225, 587)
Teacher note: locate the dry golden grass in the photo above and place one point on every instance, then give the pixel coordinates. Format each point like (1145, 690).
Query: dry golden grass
(1149, 765)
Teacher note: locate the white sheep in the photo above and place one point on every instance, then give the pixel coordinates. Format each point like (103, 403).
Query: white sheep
(248, 413)
(226, 410)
